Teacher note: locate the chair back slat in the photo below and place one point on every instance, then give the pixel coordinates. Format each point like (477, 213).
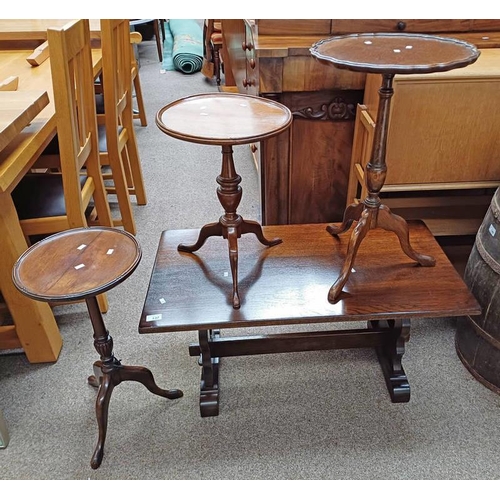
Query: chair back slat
(74, 100)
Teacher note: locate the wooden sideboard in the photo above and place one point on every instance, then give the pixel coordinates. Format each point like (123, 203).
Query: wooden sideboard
(304, 173)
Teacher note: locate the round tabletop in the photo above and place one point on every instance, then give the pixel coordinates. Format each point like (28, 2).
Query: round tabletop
(394, 53)
(75, 264)
(223, 118)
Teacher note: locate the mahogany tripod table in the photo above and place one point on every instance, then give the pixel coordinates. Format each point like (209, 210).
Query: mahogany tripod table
(80, 264)
(387, 54)
(225, 119)
(288, 285)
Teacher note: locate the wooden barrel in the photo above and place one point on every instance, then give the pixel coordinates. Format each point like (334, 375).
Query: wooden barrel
(478, 337)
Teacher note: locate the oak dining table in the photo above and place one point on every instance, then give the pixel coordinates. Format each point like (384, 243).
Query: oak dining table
(27, 33)
(34, 327)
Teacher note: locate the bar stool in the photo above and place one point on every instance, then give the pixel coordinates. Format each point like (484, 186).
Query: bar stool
(225, 120)
(81, 264)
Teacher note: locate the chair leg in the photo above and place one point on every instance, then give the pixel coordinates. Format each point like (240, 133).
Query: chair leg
(102, 300)
(134, 163)
(216, 59)
(159, 46)
(140, 101)
(4, 433)
(162, 26)
(114, 159)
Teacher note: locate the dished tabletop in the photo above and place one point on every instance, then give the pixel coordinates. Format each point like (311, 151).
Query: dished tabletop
(223, 118)
(396, 53)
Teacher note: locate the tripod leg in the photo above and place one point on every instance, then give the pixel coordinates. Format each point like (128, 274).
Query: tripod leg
(250, 226)
(213, 229)
(95, 380)
(145, 377)
(357, 236)
(352, 213)
(232, 240)
(102, 405)
(392, 222)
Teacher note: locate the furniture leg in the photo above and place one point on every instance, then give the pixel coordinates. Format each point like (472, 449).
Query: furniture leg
(134, 163)
(388, 337)
(352, 213)
(232, 240)
(141, 112)
(36, 326)
(216, 60)
(108, 373)
(159, 47)
(101, 407)
(162, 27)
(250, 226)
(209, 385)
(357, 235)
(390, 355)
(212, 229)
(4, 433)
(392, 222)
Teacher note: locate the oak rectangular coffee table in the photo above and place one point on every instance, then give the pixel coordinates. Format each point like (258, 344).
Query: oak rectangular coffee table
(288, 285)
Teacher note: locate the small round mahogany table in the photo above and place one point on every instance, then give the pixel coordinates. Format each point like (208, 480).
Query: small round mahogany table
(225, 119)
(80, 264)
(387, 54)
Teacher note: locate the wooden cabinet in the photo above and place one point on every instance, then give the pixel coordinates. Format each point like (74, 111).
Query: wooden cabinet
(443, 152)
(305, 172)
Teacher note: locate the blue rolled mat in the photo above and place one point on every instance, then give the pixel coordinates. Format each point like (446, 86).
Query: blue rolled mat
(183, 46)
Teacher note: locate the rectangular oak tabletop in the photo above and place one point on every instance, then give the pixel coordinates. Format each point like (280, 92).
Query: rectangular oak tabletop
(289, 283)
(17, 109)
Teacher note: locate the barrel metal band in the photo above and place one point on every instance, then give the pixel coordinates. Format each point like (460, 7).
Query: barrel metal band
(495, 208)
(487, 257)
(484, 334)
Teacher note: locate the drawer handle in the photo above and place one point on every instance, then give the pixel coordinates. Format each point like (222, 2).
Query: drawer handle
(401, 26)
(246, 46)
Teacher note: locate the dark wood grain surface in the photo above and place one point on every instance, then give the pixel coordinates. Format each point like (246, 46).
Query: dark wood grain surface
(223, 118)
(289, 283)
(395, 53)
(77, 263)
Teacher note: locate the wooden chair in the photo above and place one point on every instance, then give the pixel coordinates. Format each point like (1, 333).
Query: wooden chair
(49, 203)
(212, 39)
(157, 26)
(79, 264)
(120, 151)
(52, 202)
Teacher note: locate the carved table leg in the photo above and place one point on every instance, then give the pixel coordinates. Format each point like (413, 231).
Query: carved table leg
(108, 373)
(390, 356)
(209, 385)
